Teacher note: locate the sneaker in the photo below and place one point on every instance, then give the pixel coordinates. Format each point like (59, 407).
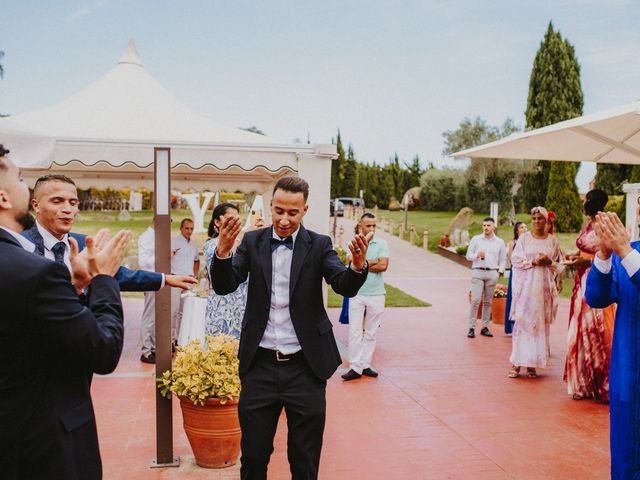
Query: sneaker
(485, 331)
(351, 375)
(151, 358)
(471, 333)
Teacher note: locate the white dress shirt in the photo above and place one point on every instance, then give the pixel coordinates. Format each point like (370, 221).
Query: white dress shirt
(280, 334)
(495, 252)
(49, 242)
(186, 255)
(631, 263)
(147, 252)
(25, 243)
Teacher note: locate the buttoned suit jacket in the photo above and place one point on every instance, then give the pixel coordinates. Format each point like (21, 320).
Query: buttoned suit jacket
(51, 345)
(314, 259)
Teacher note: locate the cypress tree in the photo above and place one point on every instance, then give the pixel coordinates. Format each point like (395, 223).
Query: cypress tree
(555, 94)
(337, 169)
(350, 174)
(611, 176)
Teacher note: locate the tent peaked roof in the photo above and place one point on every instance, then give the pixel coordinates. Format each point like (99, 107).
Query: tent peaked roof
(128, 104)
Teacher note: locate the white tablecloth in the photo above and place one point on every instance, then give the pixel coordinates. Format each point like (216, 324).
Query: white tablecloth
(193, 318)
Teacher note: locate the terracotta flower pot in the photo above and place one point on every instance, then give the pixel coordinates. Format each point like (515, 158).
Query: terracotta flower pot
(213, 430)
(498, 307)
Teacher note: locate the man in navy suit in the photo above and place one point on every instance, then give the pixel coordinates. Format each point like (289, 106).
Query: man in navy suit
(55, 203)
(51, 345)
(287, 348)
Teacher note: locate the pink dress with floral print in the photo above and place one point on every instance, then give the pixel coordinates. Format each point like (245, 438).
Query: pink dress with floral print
(535, 300)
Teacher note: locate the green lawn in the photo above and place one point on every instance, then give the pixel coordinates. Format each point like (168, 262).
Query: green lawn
(437, 223)
(395, 298)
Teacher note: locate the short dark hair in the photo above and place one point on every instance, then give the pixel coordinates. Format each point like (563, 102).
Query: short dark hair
(367, 215)
(185, 220)
(293, 185)
(52, 177)
(594, 201)
(488, 219)
(218, 212)
(3, 151)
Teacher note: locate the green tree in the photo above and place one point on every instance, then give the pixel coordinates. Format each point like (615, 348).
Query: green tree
(337, 168)
(413, 173)
(486, 180)
(611, 176)
(555, 94)
(563, 198)
(349, 183)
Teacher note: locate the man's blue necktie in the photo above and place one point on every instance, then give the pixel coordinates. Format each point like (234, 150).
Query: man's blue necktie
(58, 252)
(287, 242)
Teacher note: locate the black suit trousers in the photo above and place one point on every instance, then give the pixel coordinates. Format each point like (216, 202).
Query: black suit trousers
(268, 387)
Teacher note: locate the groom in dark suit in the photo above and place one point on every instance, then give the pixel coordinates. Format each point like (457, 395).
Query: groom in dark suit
(51, 344)
(287, 347)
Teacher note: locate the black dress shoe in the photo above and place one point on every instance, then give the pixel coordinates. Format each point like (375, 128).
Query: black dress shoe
(351, 375)
(485, 331)
(151, 358)
(370, 372)
(471, 333)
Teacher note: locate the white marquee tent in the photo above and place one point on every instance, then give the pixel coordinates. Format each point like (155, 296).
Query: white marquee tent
(105, 135)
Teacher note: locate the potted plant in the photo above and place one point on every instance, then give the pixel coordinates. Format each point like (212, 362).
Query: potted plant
(499, 304)
(205, 378)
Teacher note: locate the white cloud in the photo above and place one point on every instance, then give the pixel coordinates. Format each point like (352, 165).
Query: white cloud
(87, 9)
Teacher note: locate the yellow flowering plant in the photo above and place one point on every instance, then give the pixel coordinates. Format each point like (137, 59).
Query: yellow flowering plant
(204, 371)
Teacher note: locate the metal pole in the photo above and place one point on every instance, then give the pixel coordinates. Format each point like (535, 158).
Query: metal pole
(162, 226)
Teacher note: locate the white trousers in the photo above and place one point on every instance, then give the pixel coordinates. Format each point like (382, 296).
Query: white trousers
(365, 313)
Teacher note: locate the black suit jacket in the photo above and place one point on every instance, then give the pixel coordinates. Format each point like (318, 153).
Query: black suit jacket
(51, 345)
(314, 259)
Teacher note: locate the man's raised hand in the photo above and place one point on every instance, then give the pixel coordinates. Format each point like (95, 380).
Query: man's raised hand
(229, 231)
(358, 248)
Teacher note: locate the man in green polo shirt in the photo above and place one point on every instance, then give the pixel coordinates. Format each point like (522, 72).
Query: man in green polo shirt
(370, 301)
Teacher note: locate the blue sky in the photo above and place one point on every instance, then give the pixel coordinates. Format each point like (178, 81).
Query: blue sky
(392, 75)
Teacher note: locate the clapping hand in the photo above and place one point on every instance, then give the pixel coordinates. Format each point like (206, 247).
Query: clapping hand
(102, 255)
(612, 235)
(358, 248)
(229, 231)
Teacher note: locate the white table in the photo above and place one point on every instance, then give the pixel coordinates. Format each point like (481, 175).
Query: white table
(193, 319)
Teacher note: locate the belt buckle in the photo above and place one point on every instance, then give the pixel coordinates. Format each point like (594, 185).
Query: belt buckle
(281, 359)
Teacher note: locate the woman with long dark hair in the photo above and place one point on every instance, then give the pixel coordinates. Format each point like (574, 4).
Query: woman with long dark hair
(586, 369)
(224, 312)
(518, 229)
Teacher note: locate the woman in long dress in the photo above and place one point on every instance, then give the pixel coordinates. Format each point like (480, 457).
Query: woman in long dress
(224, 313)
(518, 229)
(589, 336)
(537, 260)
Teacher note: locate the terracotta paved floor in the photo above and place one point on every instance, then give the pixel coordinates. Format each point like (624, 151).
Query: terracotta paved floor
(442, 407)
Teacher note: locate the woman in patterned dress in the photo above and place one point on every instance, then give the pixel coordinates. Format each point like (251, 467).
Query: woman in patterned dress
(224, 312)
(589, 337)
(537, 260)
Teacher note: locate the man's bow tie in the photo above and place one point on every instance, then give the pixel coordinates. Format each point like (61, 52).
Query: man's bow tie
(287, 242)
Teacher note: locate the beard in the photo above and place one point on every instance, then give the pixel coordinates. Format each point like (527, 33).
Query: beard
(26, 220)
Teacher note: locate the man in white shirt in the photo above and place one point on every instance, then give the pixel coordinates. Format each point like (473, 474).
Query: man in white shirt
(287, 348)
(185, 260)
(489, 255)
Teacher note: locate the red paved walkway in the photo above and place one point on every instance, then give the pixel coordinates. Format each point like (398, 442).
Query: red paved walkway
(442, 407)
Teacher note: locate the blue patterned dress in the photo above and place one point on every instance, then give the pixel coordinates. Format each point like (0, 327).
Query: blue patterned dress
(224, 312)
(624, 382)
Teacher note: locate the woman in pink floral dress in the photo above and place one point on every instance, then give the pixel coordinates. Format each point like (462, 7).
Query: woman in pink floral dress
(589, 337)
(538, 260)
